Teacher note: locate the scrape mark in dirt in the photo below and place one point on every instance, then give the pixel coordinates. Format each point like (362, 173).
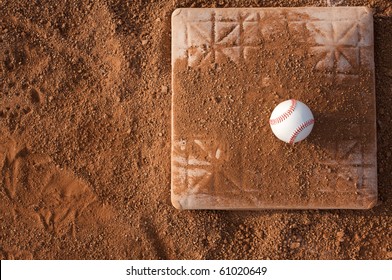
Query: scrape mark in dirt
(38, 189)
(11, 167)
(159, 249)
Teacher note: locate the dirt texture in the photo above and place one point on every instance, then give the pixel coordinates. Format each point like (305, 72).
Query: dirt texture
(85, 101)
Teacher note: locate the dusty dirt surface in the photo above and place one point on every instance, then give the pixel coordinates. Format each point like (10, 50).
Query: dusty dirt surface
(85, 144)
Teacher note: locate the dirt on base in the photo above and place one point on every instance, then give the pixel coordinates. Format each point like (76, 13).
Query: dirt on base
(224, 155)
(85, 99)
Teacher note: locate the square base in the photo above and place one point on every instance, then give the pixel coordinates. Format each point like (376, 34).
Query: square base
(231, 67)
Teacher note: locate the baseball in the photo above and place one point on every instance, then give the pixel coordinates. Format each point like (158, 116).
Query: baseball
(291, 121)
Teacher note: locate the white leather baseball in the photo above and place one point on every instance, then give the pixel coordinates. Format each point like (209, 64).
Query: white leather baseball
(291, 121)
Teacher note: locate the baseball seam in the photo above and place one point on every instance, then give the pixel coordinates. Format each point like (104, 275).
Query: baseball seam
(299, 129)
(286, 114)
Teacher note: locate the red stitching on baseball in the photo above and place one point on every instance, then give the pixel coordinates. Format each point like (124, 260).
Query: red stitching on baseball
(299, 130)
(286, 114)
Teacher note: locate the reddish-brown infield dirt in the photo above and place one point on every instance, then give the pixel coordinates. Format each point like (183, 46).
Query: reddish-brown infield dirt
(85, 100)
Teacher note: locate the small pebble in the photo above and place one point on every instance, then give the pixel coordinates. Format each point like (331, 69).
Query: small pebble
(295, 245)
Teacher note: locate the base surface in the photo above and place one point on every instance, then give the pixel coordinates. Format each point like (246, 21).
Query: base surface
(231, 67)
